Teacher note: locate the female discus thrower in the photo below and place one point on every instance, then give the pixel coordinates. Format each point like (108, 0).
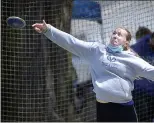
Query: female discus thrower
(113, 69)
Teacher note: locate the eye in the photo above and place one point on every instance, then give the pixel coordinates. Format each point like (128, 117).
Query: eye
(119, 34)
(114, 33)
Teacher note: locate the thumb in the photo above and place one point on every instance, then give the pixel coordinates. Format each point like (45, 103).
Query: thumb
(44, 23)
(44, 26)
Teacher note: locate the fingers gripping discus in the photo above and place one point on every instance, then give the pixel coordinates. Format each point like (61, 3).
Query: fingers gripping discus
(15, 22)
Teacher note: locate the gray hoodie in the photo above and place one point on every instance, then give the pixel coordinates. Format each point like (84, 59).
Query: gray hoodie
(112, 73)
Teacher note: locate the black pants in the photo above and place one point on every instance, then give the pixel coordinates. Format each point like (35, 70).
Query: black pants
(113, 112)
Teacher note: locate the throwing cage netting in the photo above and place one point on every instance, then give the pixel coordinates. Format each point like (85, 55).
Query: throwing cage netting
(38, 80)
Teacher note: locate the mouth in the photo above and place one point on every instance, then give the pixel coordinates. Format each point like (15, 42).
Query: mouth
(114, 42)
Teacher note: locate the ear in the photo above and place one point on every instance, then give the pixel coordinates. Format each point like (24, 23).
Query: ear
(126, 45)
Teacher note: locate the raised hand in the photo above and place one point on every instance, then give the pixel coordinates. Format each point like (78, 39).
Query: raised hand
(40, 27)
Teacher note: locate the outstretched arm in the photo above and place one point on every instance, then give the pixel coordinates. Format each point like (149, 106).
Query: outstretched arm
(66, 41)
(144, 69)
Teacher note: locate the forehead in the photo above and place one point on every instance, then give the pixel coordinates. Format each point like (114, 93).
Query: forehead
(122, 31)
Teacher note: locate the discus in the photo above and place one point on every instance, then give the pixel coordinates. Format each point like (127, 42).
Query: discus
(16, 22)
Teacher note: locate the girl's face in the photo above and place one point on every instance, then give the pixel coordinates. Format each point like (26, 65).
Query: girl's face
(118, 37)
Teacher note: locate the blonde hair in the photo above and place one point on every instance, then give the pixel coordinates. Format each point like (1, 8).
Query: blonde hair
(128, 37)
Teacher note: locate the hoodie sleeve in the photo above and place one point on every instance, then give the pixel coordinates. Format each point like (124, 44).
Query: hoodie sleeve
(77, 47)
(144, 69)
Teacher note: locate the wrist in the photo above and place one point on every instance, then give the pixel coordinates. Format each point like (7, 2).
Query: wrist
(45, 29)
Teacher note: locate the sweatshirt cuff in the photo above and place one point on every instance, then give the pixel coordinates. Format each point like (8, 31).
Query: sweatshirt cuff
(48, 28)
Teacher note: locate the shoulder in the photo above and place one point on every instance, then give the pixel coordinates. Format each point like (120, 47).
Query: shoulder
(98, 47)
(130, 52)
(142, 41)
(134, 60)
(145, 38)
(101, 47)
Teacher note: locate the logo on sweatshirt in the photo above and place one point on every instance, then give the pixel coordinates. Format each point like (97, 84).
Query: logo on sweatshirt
(109, 62)
(111, 58)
